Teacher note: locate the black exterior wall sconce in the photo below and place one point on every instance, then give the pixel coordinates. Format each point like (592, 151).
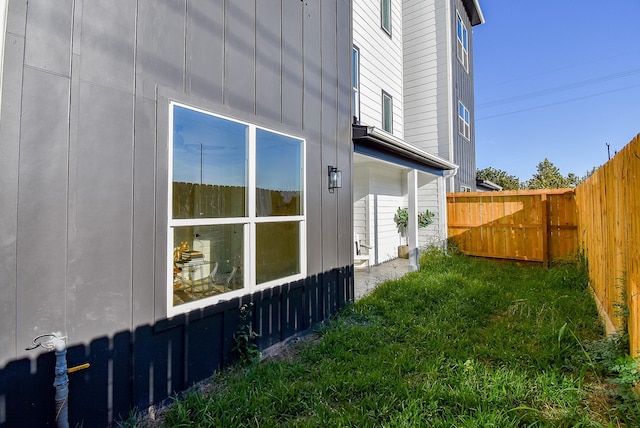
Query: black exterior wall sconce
(335, 178)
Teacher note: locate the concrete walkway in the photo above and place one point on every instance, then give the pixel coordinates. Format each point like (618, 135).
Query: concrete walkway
(365, 281)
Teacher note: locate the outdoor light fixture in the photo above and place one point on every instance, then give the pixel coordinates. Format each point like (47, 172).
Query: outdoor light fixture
(335, 178)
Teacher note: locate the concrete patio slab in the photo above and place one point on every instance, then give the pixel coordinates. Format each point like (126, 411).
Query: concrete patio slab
(366, 280)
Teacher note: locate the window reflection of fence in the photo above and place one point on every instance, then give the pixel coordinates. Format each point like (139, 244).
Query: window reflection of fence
(192, 200)
(529, 225)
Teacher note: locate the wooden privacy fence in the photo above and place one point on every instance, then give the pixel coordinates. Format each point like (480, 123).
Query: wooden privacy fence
(601, 217)
(520, 225)
(609, 230)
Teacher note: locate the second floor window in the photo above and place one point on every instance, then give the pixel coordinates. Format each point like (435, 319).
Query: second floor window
(462, 45)
(387, 112)
(385, 15)
(355, 84)
(464, 125)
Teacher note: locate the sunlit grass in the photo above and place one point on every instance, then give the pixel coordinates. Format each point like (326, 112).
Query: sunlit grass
(463, 342)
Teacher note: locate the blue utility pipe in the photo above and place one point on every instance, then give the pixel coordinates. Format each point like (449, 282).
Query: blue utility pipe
(57, 342)
(61, 384)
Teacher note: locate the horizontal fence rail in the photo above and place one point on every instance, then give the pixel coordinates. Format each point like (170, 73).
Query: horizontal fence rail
(521, 225)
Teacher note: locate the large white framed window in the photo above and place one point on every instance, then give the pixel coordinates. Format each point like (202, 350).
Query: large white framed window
(387, 112)
(236, 208)
(385, 16)
(355, 83)
(462, 45)
(464, 124)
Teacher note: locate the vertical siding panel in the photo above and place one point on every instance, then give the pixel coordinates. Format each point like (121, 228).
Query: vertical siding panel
(269, 60)
(105, 57)
(107, 45)
(42, 177)
(311, 123)
(160, 43)
(292, 85)
(329, 130)
(48, 34)
(205, 49)
(240, 51)
(343, 136)
(42, 206)
(144, 220)
(9, 169)
(161, 214)
(464, 154)
(100, 259)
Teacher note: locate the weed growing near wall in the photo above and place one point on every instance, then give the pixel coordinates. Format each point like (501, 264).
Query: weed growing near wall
(244, 347)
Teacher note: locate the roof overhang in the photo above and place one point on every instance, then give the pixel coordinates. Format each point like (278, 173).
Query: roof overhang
(376, 143)
(473, 10)
(488, 184)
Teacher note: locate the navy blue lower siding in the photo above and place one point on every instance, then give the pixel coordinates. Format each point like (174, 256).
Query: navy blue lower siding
(133, 370)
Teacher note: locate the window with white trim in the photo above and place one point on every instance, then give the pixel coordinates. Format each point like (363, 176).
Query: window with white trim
(464, 124)
(387, 112)
(462, 45)
(355, 83)
(464, 188)
(236, 208)
(385, 15)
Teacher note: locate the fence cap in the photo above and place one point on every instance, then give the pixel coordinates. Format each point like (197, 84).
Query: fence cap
(566, 191)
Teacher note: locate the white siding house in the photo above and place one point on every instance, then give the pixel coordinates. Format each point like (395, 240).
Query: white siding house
(421, 65)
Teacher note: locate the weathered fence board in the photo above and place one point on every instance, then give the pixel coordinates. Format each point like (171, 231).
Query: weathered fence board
(523, 225)
(609, 230)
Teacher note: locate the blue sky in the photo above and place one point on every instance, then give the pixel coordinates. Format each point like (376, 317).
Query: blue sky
(555, 79)
(213, 150)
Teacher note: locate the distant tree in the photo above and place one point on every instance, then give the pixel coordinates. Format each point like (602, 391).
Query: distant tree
(548, 176)
(573, 180)
(589, 173)
(499, 177)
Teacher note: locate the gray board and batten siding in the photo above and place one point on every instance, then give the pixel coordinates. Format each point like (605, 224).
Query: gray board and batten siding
(84, 170)
(464, 150)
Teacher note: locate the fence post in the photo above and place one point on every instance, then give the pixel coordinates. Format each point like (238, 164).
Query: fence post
(545, 230)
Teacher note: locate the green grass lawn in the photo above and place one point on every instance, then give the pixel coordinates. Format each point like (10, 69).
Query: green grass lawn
(462, 343)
